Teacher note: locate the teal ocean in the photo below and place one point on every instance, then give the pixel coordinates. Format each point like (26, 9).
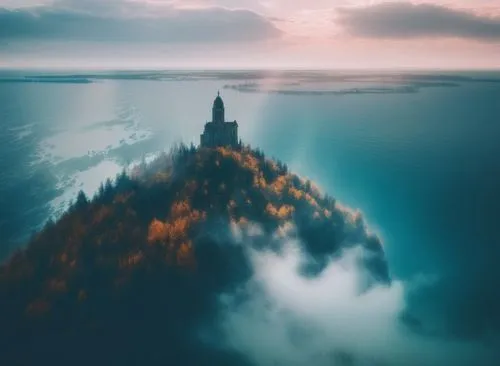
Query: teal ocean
(418, 153)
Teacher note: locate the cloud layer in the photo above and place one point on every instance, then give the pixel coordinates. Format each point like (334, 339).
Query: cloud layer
(277, 33)
(406, 20)
(172, 26)
(288, 319)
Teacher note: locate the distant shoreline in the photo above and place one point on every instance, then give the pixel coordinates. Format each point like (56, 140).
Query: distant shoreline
(46, 79)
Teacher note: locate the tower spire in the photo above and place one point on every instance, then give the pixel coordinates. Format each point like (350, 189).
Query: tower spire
(218, 109)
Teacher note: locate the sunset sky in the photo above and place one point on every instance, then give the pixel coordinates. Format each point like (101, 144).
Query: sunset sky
(331, 34)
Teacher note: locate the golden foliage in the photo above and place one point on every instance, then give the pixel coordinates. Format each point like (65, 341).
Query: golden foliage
(279, 184)
(296, 193)
(157, 231)
(183, 210)
(178, 229)
(284, 212)
(270, 209)
(250, 163)
(173, 233)
(160, 231)
(245, 158)
(299, 195)
(259, 180)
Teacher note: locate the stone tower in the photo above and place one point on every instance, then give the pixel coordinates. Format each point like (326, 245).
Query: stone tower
(218, 132)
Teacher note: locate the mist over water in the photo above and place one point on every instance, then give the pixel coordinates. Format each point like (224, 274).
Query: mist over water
(417, 153)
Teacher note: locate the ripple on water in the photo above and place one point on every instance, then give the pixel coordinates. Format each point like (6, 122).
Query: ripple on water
(87, 181)
(83, 157)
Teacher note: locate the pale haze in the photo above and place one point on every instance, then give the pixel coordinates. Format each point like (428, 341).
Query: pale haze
(250, 34)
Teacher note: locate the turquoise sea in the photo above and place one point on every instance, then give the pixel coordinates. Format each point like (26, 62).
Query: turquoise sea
(417, 152)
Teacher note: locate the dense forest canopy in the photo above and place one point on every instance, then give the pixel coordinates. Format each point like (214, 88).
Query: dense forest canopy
(134, 274)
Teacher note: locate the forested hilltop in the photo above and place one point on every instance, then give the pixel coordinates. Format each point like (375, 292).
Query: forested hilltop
(132, 275)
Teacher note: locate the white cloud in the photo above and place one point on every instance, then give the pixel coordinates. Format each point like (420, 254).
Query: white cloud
(281, 317)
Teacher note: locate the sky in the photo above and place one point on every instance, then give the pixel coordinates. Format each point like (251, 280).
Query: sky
(325, 34)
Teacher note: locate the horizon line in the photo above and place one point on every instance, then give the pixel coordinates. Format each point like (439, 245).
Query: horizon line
(238, 69)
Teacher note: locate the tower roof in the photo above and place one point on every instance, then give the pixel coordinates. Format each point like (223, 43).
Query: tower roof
(218, 102)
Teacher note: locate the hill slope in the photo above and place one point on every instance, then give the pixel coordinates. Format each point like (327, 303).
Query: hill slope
(133, 275)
